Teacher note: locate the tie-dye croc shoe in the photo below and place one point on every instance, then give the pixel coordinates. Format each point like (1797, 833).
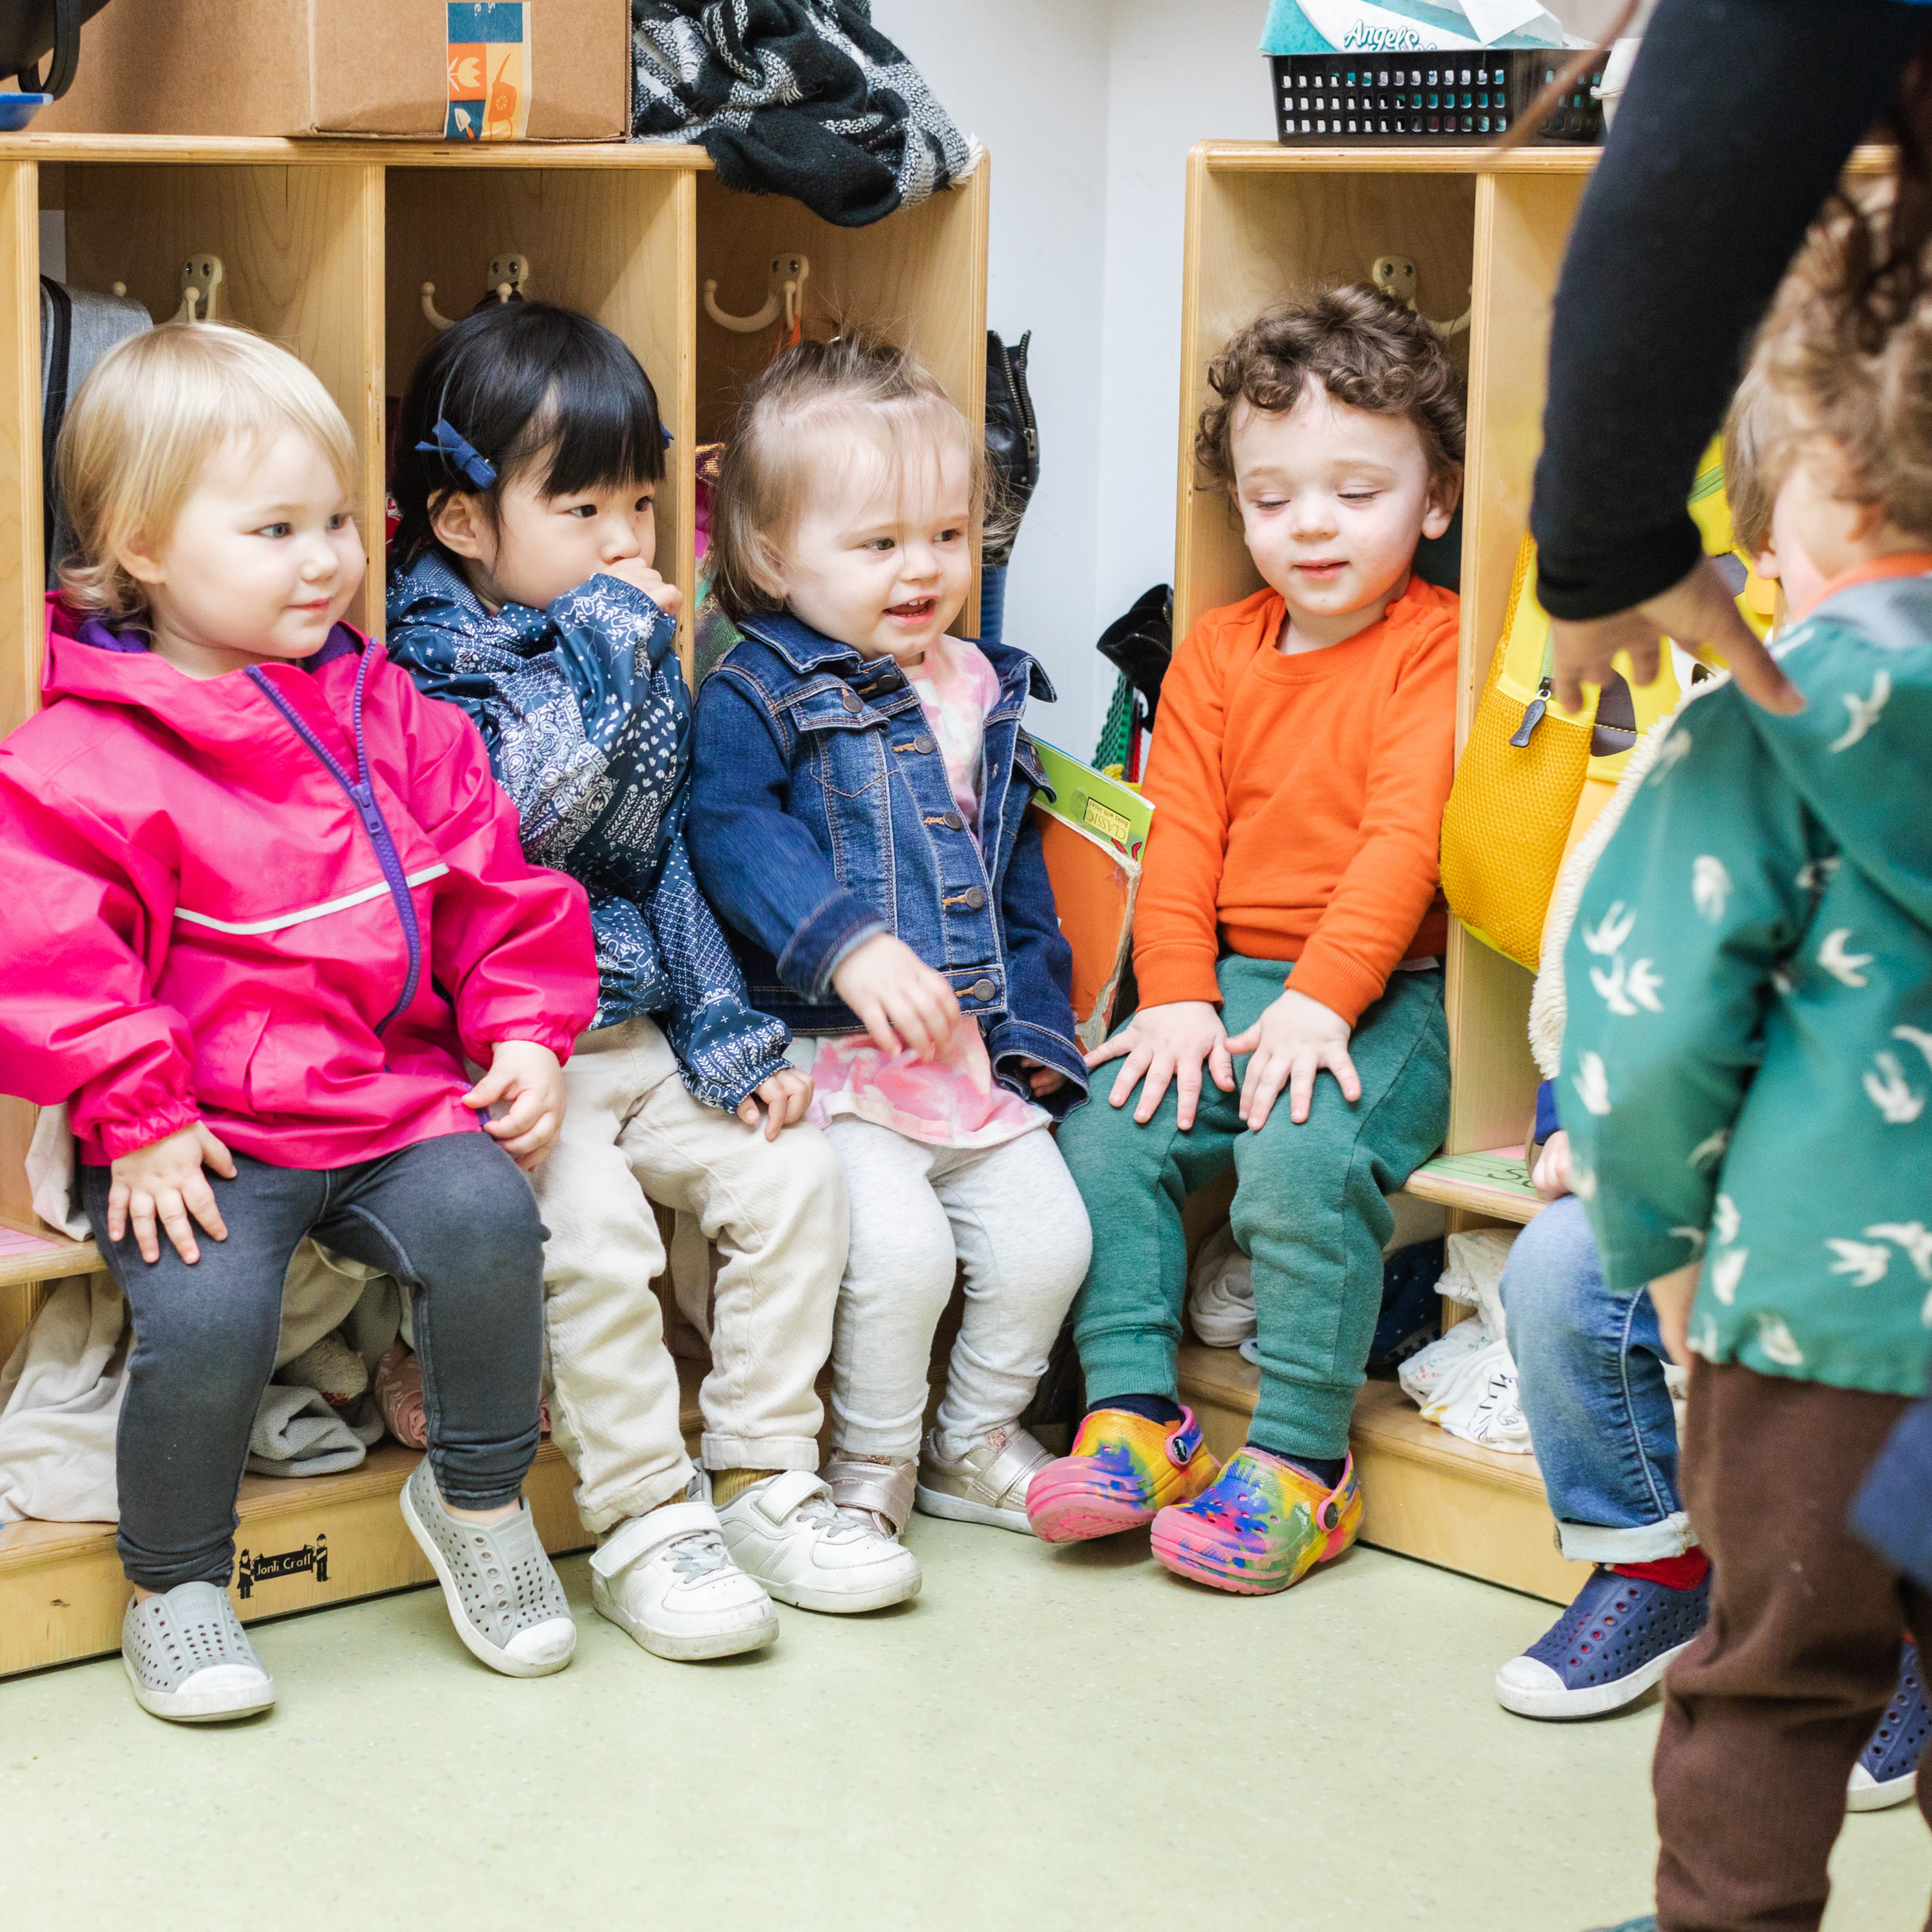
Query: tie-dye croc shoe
(1123, 1470)
(1263, 1526)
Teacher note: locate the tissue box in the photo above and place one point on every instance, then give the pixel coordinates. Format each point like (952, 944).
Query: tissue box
(1406, 72)
(459, 70)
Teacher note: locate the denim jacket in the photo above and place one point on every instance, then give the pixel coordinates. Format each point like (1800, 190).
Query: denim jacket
(585, 713)
(820, 815)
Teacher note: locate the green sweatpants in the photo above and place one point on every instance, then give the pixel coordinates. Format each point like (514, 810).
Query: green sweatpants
(1309, 1209)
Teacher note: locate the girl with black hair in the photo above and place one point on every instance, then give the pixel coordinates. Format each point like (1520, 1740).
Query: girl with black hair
(531, 447)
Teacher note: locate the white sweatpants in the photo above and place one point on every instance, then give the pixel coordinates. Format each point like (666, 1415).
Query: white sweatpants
(1013, 1215)
(776, 1209)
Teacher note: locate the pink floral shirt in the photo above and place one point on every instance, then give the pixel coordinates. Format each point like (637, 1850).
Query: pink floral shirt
(953, 1101)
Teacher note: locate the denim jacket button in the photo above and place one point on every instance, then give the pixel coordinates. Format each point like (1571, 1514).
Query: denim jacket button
(982, 989)
(850, 699)
(952, 821)
(975, 898)
(922, 743)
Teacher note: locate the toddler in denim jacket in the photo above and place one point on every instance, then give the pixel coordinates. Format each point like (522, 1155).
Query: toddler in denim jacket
(861, 815)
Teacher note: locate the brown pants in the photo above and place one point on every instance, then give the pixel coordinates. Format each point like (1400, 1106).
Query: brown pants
(1765, 1714)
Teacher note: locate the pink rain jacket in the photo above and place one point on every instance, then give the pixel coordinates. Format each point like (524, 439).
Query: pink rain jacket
(286, 901)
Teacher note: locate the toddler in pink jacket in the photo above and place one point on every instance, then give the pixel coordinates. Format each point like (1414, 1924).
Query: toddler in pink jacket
(264, 900)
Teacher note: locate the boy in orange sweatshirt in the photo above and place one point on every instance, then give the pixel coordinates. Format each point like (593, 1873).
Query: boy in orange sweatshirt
(1289, 922)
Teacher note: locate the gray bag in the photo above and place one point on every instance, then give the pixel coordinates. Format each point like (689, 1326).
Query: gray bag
(77, 328)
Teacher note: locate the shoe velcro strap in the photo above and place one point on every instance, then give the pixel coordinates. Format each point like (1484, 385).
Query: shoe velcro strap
(643, 1534)
(858, 1483)
(1020, 1456)
(775, 1500)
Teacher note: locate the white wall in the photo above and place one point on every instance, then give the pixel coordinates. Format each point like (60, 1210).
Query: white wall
(1029, 78)
(1088, 108)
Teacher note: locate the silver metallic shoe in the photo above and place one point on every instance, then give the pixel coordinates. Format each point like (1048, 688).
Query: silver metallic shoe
(987, 1484)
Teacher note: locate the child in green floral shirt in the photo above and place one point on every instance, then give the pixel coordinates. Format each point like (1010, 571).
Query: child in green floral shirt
(1747, 1071)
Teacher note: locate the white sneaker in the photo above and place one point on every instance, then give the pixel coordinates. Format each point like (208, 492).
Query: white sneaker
(667, 1578)
(787, 1533)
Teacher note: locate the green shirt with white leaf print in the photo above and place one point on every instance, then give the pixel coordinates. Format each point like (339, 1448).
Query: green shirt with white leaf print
(1747, 1058)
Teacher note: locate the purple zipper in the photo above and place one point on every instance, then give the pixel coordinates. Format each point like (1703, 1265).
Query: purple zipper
(362, 796)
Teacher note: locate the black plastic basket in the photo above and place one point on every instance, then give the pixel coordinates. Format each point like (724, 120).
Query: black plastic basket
(1386, 99)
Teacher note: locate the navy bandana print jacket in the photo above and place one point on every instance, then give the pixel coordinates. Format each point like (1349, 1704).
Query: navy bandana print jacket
(587, 718)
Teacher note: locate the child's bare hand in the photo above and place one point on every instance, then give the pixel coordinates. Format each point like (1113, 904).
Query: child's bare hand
(1551, 1177)
(1043, 1080)
(902, 1001)
(635, 572)
(786, 1095)
(163, 1181)
(1169, 1043)
(528, 1078)
(1671, 1295)
(1291, 1042)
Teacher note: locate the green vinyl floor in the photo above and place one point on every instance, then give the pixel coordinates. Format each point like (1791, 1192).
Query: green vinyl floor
(1047, 1738)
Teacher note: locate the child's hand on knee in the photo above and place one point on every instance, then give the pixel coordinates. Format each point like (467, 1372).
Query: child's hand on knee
(1169, 1043)
(163, 1181)
(528, 1078)
(786, 1095)
(1291, 1042)
(638, 574)
(902, 1001)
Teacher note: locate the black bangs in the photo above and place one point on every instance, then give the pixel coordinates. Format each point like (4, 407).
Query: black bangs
(523, 382)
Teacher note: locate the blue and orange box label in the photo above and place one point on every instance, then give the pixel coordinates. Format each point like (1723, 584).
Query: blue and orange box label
(489, 63)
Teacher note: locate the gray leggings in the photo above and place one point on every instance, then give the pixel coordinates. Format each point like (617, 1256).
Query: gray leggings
(453, 1218)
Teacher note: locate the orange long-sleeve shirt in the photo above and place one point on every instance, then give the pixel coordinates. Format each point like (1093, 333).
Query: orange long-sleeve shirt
(1299, 802)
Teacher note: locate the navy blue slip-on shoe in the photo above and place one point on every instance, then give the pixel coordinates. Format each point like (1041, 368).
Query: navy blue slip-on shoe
(1606, 1650)
(1888, 1768)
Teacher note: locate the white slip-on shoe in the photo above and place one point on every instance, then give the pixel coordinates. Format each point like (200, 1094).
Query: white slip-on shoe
(503, 1594)
(188, 1658)
(987, 1484)
(667, 1578)
(787, 1533)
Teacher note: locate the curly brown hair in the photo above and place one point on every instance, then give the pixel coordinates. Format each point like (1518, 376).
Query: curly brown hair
(1842, 378)
(1366, 350)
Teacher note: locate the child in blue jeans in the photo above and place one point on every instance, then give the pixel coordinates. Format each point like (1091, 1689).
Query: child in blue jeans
(1591, 1360)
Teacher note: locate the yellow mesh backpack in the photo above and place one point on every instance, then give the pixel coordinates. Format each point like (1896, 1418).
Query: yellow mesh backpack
(1531, 777)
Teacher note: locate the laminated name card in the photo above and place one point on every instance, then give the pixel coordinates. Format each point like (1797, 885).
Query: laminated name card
(1404, 27)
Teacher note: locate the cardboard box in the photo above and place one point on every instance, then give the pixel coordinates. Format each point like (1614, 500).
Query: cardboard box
(539, 70)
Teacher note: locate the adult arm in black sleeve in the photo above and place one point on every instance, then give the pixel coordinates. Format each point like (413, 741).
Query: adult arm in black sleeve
(1736, 120)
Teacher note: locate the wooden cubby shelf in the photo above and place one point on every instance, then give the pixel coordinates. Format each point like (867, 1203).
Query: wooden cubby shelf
(325, 246)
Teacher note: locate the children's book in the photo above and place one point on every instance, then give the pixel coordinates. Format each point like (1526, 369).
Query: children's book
(1093, 830)
(1091, 801)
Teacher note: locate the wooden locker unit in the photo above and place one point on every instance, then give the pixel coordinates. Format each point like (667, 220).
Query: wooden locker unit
(1486, 231)
(325, 246)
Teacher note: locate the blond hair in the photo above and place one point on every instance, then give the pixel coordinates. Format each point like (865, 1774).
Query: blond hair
(1755, 463)
(1854, 378)
(153, 414)
(855, 381)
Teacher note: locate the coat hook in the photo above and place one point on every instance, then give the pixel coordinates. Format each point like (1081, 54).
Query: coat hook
(785, 297)
(508, 280)
(1396, 276)
(201, 276)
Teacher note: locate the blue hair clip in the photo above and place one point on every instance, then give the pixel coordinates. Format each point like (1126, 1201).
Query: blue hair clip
(449, 442)
(669, 438)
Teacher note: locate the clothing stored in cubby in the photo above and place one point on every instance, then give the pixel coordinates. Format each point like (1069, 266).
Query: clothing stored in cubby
(799, 97)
